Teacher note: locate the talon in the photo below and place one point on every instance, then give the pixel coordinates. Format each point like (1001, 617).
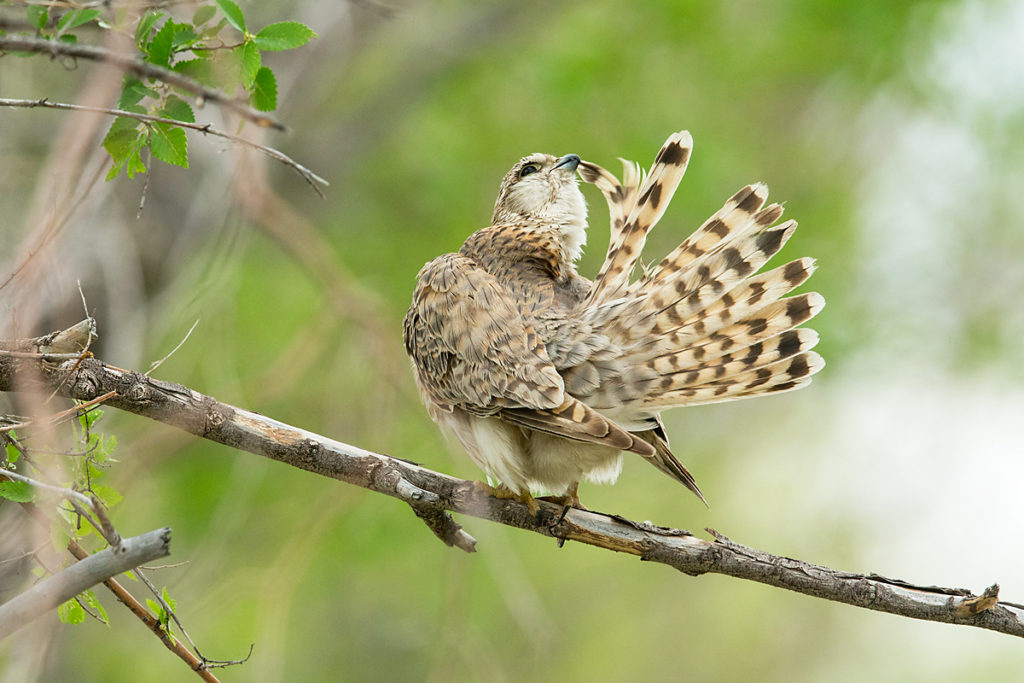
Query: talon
(505, 493)
(570, 499)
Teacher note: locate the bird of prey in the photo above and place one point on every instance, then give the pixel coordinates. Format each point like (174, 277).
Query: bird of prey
(546, 378)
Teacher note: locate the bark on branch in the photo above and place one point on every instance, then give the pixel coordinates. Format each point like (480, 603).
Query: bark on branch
(433, 496)
(94, 569)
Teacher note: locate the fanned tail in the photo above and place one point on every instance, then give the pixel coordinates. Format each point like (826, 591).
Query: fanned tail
(638, 216)
(701, 326)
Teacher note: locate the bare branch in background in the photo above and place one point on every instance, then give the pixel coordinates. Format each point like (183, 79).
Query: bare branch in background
(132, 65)
(66, 584)
(424, 489)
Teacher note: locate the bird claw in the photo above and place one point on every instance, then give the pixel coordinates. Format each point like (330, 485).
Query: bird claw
(504, 493)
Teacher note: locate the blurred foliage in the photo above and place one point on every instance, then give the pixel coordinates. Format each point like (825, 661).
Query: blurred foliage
(414, 113)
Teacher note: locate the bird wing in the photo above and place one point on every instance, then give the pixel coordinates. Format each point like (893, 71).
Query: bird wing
(473, 350)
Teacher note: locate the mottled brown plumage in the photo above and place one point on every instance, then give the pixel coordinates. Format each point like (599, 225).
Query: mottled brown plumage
(546, 378)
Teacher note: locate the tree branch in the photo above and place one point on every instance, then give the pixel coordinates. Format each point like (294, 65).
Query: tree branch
(432, 495)
(132, 65)
(205, 128)
(66, 584)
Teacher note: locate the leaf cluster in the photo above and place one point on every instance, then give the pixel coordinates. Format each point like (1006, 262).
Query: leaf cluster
(214, 47)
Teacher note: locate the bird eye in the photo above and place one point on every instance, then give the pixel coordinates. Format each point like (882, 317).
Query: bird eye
(528, 169)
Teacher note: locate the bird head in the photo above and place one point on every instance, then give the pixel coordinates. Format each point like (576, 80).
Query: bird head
(541, 190)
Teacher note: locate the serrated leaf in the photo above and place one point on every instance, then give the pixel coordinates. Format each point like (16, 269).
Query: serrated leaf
(169, 144)
(264, 90)
(17, 491)
(159, 51)
(89, 598)
(178, 109)
(284, 35)
(134, 163)
(233, 14)
(71, 612)
(203, 15)
(249, 63)
(146, 24)
(37, 15)
(167, 598)
(76, 18)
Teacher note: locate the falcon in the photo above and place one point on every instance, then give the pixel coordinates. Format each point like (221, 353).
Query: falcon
(546, 378)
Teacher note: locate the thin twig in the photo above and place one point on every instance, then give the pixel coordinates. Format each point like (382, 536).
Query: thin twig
(135, 66)
(160, 362)
(63, 415)
(309, 176)
(61, 491)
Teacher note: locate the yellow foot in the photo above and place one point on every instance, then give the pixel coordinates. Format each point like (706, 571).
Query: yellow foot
(571, 499)
(505, 493)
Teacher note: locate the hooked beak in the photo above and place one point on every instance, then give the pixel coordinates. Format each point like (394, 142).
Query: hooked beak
(569, 161)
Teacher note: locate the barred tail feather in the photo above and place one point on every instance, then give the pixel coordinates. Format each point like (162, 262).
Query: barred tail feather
(652, 199)
(785, 375)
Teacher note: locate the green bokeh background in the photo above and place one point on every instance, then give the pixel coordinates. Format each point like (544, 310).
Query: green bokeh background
(892, 131)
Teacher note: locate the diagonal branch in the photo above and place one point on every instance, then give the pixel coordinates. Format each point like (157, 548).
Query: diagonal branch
(68, 583)
(136, 67)
(432, 495)
(205, 128)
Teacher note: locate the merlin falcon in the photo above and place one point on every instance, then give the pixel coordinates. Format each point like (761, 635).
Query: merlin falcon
(546, 378)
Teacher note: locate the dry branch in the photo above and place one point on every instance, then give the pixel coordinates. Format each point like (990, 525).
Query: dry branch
(432, 495)
(68, 583)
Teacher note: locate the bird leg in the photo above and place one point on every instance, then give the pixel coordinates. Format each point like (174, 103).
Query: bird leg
(505, 493)
(570, 499)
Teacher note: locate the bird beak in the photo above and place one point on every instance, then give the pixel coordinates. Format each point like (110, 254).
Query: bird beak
(569, 161)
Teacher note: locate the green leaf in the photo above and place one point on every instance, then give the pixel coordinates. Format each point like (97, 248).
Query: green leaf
(132, 92)
(91, 416)
(70, 38)
(201, 69)
(249, 63)
(284, 35)
(18, 491)
(37, 16)
(107, 494)
(146, 24)
(178, 109)
(160, 46)
(76, 18)
(169, 144)
(71, 612)
(12, 452)
(134, 164)
(89, 598)
(167, 598)
(232, 13)
(203, 15)
(264, 90)
(157, 610)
